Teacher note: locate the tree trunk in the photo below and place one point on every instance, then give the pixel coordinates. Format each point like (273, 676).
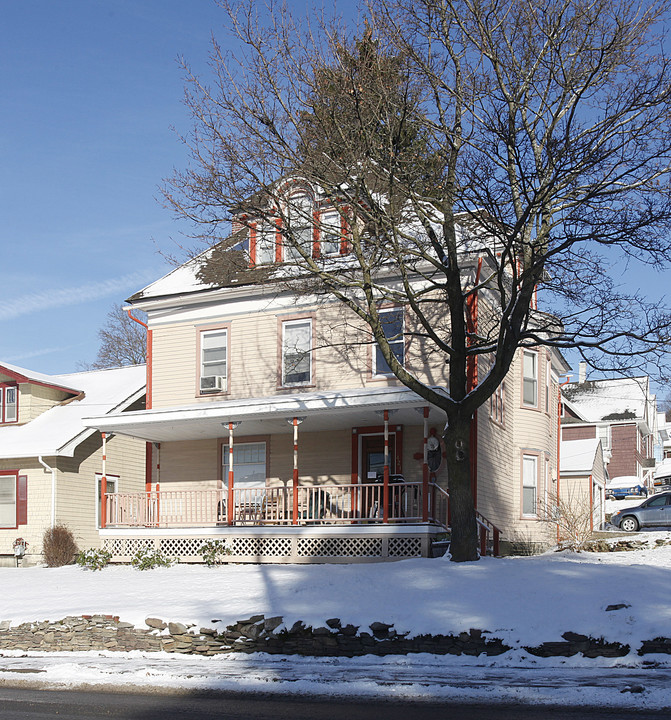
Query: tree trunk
(464, 536)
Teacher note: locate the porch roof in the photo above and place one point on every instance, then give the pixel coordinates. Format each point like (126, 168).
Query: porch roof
(329, 410)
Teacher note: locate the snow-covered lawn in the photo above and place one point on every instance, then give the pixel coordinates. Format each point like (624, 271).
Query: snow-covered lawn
(524, 601)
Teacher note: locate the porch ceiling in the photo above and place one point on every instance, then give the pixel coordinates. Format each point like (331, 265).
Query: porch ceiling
(265, 416)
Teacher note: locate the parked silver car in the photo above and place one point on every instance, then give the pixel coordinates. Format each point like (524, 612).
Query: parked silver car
(654, 512)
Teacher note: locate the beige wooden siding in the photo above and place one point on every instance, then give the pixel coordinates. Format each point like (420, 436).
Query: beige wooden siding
(77, 488)
(189, 465)
(36, 399)
(342, 356)
(39, 507)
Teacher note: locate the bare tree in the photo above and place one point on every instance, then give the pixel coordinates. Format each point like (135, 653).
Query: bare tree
(122, 341)
(528, 140)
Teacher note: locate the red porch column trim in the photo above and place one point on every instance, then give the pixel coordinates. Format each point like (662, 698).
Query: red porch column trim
(425, 469)
(229, 504)
(295, 476)
(103, 485)
(385, 492)
(148, 466)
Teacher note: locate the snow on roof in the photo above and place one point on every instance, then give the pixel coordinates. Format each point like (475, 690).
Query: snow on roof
(41, 378)
(577, 456)
(59, 430)
(614, 399)
(182, 279)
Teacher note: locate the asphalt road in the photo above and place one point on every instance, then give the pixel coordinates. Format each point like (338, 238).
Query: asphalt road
(31, 704)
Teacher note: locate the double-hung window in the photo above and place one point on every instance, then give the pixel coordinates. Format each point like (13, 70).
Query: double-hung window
(331, 233)
(297, 352)
(213, 360)
(299, 230)
(8, 499)
(530, 379)
(529, 485)
(9, 403)
(392, 321)
(266, 243)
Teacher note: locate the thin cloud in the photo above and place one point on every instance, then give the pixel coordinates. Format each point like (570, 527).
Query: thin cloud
(39, 353)
(61, 297)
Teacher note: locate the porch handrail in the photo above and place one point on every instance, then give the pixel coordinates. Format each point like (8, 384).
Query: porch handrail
(274, 505)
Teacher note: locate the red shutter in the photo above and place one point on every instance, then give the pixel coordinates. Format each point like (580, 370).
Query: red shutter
(22, 501)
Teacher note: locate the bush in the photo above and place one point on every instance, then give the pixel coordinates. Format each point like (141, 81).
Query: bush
(148, 559)
(94, 559)
(215, 552)
(58, 546)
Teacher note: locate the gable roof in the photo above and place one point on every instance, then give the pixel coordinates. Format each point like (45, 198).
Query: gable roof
(609, 400)
(59, 430)
(578, 456)
(23, 375)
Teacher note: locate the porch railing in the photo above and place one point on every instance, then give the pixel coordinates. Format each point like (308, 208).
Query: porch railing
(320, 504)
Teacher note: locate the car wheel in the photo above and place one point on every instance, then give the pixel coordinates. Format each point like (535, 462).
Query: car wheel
(629, 524)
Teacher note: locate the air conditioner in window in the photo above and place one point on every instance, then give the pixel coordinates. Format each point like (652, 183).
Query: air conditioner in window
(212, 383)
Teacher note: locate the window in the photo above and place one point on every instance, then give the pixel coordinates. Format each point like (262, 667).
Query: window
(213, 360)
(297, 352)
(299, 215)
(496, 407)
(530, 379)
(8, 483)
(529, 484)
(13, 499)
(392, 325)
(331, 233)
(9, 403)
(266, 243)
(249, 464)
(603, 433)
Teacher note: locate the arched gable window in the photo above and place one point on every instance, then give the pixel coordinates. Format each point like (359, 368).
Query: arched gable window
(300, 224)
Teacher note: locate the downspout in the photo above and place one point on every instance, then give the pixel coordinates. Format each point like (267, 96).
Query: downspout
(53, 488)
(148, 402)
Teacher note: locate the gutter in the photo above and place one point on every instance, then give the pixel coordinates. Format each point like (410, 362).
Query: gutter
(53, 488)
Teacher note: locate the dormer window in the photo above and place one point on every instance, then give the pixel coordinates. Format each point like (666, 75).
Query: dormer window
(300, 226)
(9, 403)
(331, 233)
(265, 243)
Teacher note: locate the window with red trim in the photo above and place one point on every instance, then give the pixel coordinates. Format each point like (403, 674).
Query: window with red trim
(13, 499)
(9, 403)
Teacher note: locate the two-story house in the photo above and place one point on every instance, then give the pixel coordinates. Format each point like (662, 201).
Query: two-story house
(622, 413)
(276, 425)
(51, 466)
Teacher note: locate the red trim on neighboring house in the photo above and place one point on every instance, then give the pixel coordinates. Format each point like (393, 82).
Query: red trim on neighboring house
(22, 500)
(23, 379)
(252, 245)
(316, 248)
(279, 245)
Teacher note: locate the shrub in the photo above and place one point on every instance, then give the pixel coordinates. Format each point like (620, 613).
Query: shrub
(58, 546)
(148, 559)
(94, 559)
(215, 552)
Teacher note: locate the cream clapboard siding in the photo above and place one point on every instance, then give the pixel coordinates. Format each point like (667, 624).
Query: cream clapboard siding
(36, 399)
(535, 433)
(342, 355)
(77, 488)
(39, 510)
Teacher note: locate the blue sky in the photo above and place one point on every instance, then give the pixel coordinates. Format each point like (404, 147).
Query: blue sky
(90, 91)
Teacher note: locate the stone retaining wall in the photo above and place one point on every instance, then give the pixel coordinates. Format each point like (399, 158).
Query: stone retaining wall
(261, 634)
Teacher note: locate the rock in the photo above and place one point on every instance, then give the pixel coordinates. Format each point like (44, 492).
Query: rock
(380, 630)
(176, 628)
(618, 606)
(334, 623)
(252, 620)
(272, 623)
(349, 630)
(155, 623)
(633, 689)
(574, 637)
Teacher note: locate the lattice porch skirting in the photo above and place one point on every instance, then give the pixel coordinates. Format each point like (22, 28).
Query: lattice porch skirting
(279, 545)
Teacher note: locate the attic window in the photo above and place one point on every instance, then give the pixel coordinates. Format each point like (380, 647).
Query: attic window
(9, 403)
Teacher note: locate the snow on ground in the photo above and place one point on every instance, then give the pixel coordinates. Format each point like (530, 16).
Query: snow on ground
(524, 601)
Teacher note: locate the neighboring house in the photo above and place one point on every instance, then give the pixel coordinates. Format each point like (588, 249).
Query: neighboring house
(582, 483)
(274, 423)
(621, 412)
(50, 464)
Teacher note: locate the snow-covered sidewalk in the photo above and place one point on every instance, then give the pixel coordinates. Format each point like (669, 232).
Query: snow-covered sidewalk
(523, 601)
